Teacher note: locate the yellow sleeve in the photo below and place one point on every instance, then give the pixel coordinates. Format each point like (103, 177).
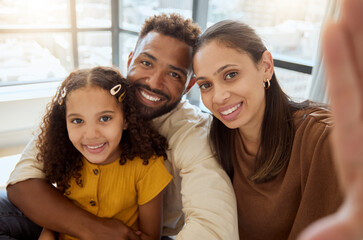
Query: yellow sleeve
(154, 180)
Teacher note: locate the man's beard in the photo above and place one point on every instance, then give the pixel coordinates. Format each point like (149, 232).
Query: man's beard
(149, 112)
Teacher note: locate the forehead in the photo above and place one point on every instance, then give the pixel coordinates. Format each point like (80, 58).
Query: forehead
(215, 51)
(97, 97)
(165, 49)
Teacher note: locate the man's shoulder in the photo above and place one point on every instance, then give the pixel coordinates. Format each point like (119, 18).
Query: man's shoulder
(185, 117)
(188, 112)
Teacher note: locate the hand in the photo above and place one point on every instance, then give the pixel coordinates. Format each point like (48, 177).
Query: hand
(110, 229)
(47, 234)
(343, 53)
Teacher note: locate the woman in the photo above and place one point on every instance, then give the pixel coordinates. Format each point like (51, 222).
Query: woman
(277, 152)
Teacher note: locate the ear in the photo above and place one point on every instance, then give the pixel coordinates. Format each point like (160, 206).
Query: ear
(126, 125)
(131, 55)
(190, 84)
(267, 64)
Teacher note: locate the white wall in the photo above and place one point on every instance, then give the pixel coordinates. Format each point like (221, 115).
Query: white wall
(20, 116)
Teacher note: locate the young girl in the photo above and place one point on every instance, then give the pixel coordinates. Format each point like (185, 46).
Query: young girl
(101, 154)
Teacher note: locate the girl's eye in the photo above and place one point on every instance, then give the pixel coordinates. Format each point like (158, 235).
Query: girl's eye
(205, 86)
(105, 119)
(146, 63)
(77, 121)
(231, 75)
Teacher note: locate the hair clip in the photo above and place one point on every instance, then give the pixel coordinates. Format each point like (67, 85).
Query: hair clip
(115, 90)
(63, 93)
(122, 96)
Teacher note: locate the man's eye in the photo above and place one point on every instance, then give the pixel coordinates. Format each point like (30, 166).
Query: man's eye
(174, 74)
(146, 63)
(77, 121)
(105, 119)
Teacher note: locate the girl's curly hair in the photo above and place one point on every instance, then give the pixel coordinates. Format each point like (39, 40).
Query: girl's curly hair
(61, 159)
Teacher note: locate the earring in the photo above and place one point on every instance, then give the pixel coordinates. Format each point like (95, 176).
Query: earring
(267, 84)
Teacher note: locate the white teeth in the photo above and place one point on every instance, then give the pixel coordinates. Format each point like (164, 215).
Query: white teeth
(94, 147)
(148, 97)
(231, 110)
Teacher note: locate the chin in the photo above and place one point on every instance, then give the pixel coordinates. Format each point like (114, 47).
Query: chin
(151, 113)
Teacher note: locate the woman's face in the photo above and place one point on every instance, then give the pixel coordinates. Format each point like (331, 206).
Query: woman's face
(231, 84)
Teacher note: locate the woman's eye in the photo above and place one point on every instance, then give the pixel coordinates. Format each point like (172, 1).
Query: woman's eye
(77, 121)
(205, 86)
(146, 63)
(231, 75)
(105, 119)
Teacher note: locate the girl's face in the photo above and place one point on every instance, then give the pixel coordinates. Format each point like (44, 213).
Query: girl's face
(231, 84)
(95, 123)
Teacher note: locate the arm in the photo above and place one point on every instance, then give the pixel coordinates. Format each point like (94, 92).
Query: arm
(208, 198)
(200, 187)
(343, 53)
(150, 218)
(36, 198)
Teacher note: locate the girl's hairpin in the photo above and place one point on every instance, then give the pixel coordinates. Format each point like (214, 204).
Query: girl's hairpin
(115, 90)
(62, 95)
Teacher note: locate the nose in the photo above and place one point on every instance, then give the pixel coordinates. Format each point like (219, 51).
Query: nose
(221, 94)
(156, 79)
(91, 131)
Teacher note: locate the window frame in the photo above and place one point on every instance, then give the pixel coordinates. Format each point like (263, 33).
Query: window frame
(199, 15)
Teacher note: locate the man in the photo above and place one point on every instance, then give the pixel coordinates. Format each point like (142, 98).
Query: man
(199, 202)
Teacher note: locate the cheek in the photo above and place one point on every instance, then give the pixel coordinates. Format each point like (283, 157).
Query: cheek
(176, 89)
(74, 135)
(207, 100)
(132, 74)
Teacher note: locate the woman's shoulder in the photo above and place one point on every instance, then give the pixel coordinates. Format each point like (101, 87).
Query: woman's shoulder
(313, 116)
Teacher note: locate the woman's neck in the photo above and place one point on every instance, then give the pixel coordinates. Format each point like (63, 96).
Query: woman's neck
(251, 138)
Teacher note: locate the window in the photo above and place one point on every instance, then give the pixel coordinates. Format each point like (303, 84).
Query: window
(290, 30)
(34, 42)
(43, 40)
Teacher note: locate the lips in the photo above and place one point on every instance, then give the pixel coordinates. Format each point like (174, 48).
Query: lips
(95, 148)
(230, 112)
(149, 98)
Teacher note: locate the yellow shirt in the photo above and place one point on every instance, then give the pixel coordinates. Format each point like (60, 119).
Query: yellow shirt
(116, 191)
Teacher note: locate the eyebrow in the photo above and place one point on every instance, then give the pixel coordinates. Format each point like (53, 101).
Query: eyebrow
(218, 71)
(180, 70)
(149, 56)
(101, 113)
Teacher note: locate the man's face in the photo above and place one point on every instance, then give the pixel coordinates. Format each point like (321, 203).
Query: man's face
(159, 69)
